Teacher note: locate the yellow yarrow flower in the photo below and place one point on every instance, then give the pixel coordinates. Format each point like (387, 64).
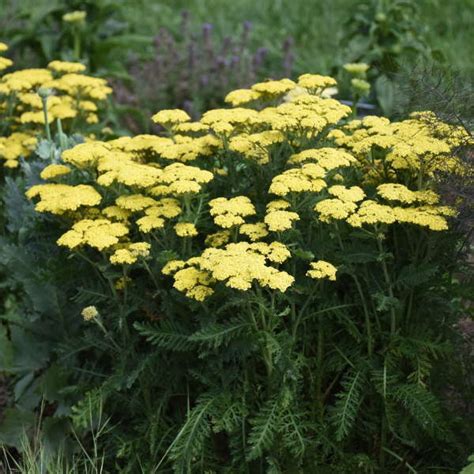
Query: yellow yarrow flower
(61, 198)
(308, 178)
(66, 67)
(97, 233)
(228, 213)
(89, 313)
(171, 117)
(322, 270)
(273, 88)
(314, 82)
(241, 96)
(54, 171)
(331, 209)
(279, 220)
(218, 239)
(352, 194)
(185, 229)
(4, 63)
(254, 231)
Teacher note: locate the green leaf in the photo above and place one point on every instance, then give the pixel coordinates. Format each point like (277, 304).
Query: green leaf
(45, 149)
(423, 407)
(6, 350)
(215, 335)
(384, 302)
(345, 410)
(265, 425)
(14, 426)
(190, 440)
(385, 94)
(166, 335)
(414, 275)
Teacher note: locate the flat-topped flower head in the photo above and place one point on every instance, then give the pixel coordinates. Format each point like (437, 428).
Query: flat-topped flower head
(185, 229)
(170, 117)
(334, 209)
(321, 270)
(255, 231)
(61, 198)
(66, 67)
(228, 213)
(273, 88)
(89, 313)
(279, 220)
(97, 233)
(5, 63)
(241, 97)
(314, 82)
(55, 171)
(352, 194)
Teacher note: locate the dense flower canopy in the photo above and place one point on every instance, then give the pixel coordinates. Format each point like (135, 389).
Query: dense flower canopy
(62, 90)
(199, 181)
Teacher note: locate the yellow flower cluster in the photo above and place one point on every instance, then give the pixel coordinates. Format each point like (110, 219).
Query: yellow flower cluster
(16, 145)
(156, 215)
(255, 231)
(399, 192)
(171, 117)
(4, 62)
(308, 178)
(185, 229)
(238, 266)
(285, 158)
(228, 213)
(322, 270)
(98, 233)
(54, 171)
(62, 87)
(278, 218)
(327, 158)
(60, 198)
(89, 313)
(421, 143)
(270, 90)
(129, 253)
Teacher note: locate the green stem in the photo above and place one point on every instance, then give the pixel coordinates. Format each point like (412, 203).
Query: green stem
(47, 128)
(319, 375)
(388, 281)
(368, 324)
(148, 269)
(77, 45)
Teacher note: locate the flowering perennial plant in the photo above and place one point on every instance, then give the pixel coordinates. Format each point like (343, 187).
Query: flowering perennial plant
(282, 258)
(333, 171)
(31, 99)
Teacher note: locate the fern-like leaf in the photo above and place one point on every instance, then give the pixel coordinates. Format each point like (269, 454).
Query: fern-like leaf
(264, 427)
(215, 335)
(293, 430)
(191, 438)
(422, 406)
(345, 410)
(166, 335)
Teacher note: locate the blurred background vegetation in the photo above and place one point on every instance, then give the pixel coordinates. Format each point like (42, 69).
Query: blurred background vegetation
(189, 54)
(317, 27)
